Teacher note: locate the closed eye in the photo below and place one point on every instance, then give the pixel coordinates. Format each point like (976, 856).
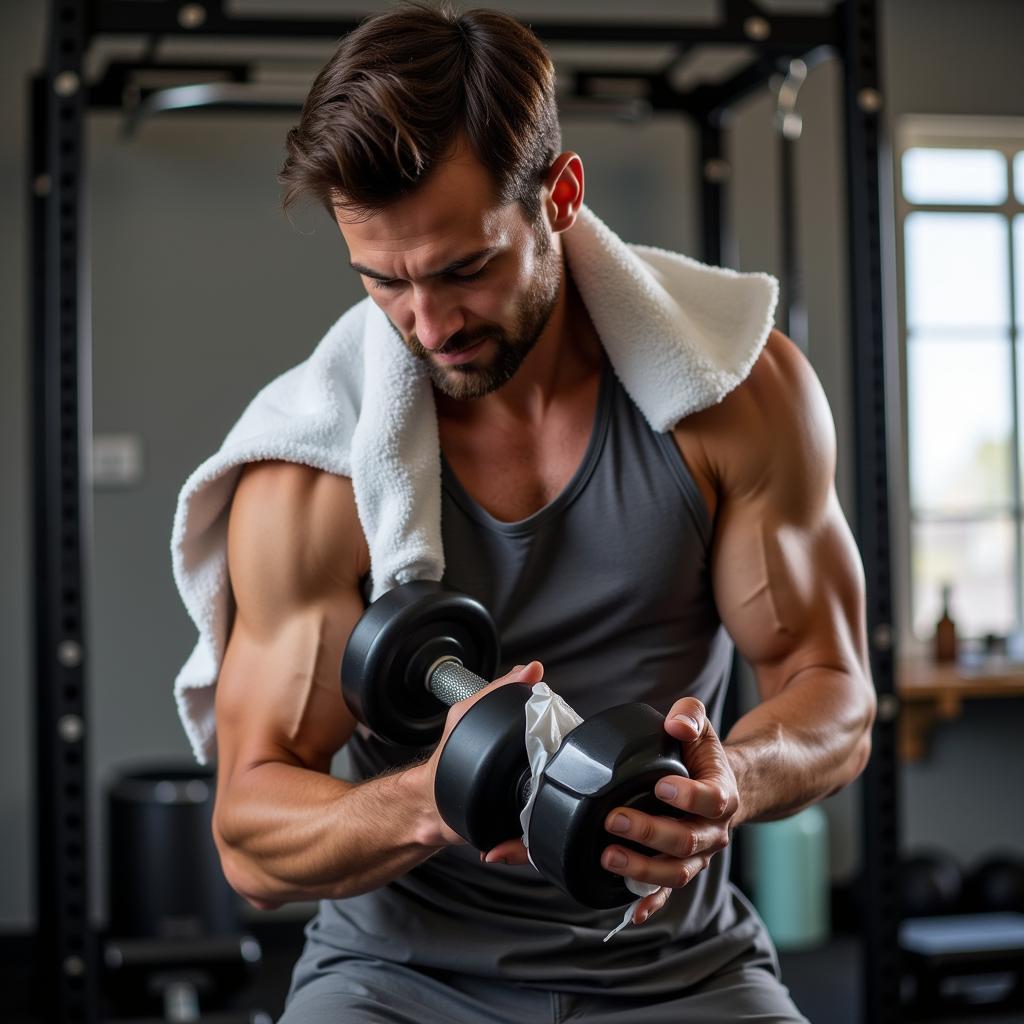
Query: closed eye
(470, 277)
(387, 283)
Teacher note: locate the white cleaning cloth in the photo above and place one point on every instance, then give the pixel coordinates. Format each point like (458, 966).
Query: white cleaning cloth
(548, 721)
(680, 336)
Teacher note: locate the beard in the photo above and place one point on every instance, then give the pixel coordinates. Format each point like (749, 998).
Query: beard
(468, 380)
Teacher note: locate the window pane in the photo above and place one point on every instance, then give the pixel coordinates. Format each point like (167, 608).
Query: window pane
(1020, 406)
(960, 424)
(957, 272)
(954, 176)
(1018, 176)
(977, 560)
(1018, 265)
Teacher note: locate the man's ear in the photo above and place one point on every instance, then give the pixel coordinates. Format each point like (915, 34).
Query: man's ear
(562, 192)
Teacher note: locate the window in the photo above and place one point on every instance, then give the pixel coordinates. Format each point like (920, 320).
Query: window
(960, 219)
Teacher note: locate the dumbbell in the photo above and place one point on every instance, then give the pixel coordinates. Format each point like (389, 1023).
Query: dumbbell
(419, 649)
(931, 882)
(996, 884)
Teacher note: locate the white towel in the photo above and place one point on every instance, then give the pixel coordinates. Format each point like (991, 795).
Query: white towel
(680, 335)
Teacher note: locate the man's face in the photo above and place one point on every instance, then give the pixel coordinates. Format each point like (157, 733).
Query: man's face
(466, 283)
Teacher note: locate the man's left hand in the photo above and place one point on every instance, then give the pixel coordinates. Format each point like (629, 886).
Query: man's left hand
(685, 846)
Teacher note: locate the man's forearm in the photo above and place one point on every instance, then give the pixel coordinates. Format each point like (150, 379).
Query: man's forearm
(802, 744)
(286, 833)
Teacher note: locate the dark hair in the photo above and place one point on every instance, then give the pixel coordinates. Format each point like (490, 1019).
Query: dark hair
(392, 101)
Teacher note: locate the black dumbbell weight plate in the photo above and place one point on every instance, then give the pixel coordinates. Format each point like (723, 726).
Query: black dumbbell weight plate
(393, 646)
(482, 770)
(613, 759)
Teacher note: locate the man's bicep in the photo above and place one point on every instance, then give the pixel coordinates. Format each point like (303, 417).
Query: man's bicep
(788, 580)
(790, 594)
(293, 558)
(278, 701)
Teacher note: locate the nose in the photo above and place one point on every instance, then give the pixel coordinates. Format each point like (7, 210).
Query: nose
(435, 319)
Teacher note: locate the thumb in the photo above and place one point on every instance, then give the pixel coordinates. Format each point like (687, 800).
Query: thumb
(529, 674)
(687, 720)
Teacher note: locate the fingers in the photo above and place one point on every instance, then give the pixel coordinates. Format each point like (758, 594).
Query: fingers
(661, 870)
(511, 851)
(530, 673)
(687, 719)
(706, 798)
(668, 835)
(684, 848)
(651, 905)
(711, 789)
(524, 674)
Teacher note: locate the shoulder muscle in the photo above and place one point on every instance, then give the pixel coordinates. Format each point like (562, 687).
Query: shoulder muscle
(293, 539)
(775, 432)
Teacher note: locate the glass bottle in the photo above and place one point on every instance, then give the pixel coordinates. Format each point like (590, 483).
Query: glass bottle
(945, 630)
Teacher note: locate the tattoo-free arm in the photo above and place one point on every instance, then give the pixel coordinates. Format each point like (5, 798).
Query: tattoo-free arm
(789, 586)
(285, 828)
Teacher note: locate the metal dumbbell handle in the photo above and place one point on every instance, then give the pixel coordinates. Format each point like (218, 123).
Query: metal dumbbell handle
(450, 681)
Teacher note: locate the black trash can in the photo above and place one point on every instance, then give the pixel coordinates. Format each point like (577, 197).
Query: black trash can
(165, 879)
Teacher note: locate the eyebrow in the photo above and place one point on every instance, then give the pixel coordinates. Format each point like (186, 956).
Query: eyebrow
(459, 264)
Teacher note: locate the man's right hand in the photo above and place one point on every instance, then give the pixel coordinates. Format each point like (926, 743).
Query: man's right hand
(525, 675)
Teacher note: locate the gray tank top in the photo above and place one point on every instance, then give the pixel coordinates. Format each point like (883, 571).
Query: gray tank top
(609, 587)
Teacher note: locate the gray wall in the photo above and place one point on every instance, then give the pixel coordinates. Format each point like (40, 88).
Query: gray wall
(19, 45)
(202, 292)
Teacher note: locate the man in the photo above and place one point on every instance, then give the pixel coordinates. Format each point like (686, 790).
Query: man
(625, 559)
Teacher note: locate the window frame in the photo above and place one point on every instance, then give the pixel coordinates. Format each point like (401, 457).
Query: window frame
(1005, 134)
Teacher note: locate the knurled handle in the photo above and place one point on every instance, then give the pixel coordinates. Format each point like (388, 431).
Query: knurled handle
(450, 681)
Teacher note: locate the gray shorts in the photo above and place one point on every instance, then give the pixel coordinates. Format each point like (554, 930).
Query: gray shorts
(358, 990)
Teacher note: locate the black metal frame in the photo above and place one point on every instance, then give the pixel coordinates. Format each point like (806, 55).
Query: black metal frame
(61, 358)
(880, 848)
(61, 389)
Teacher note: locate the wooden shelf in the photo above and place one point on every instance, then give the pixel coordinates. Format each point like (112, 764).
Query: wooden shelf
(931, 693)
